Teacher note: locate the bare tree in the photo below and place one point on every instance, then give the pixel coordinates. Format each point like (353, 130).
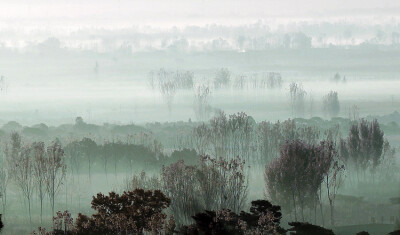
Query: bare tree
(10, 157)
(213, 184)
(55, 172)
(240, 130)
(180, 184)
(297, 98)
(201, 106)
(330, 104)
(168, 91)
(219, 135)
(274, 80)
(334, 175)
(167, 86)
(89, 150)
(23, 170)
(73, 152)
(223, 181)
(39, 172)
(354, 113)
(222, 78)
(201, 138)
(240, 81)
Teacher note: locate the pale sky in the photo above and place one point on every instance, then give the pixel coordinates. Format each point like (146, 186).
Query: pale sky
(181, 12)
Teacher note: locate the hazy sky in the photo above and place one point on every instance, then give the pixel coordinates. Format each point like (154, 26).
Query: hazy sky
(181, 12)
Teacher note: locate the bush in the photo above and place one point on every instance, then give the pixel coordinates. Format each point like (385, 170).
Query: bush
(132, 212)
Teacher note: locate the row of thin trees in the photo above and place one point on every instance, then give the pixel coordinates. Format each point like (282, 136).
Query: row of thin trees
(239, 135)
(35, 169)
(169, 82)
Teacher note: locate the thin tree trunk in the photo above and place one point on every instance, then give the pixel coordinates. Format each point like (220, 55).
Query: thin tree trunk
(294, 205)
(320, 206)
(29, 209)
(41, 206)
(332, 217)
(66, 193)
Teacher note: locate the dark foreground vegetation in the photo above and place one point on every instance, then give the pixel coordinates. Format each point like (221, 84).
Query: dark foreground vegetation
(142, 211)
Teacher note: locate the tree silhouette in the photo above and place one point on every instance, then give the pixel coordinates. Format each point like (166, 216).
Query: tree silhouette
(295, 178)
(23, 170)
(330, 104)
(89, 149)
(39, 172)
(55, 171)
(297, 98)
(132, 212)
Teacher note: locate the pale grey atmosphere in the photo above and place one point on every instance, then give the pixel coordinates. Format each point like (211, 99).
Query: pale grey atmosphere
(199, 117)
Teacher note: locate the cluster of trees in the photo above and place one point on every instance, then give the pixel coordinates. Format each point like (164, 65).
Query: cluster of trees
(298, 101)
(179, 79)
(115, 153)
(202, 108)
(297, 177)
(225, 136)
(169, 82)
(240, 135)
(34, 168)
(139, 211)
(222, 78)
(366, 148)
(338, 78)
(305, 167)
(304, 172)
(39, 172)
(274, 80)
(211, 184)
(133, 212)
(330, 104)
(262, 80)
(269, 80)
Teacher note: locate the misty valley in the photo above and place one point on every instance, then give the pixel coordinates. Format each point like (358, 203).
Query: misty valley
(324, 165)
(200, 117)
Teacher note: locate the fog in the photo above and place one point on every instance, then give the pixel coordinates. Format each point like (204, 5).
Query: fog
(267, 112)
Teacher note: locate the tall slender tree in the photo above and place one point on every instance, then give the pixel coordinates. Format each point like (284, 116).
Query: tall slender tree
(39, 172)
(55, 172)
